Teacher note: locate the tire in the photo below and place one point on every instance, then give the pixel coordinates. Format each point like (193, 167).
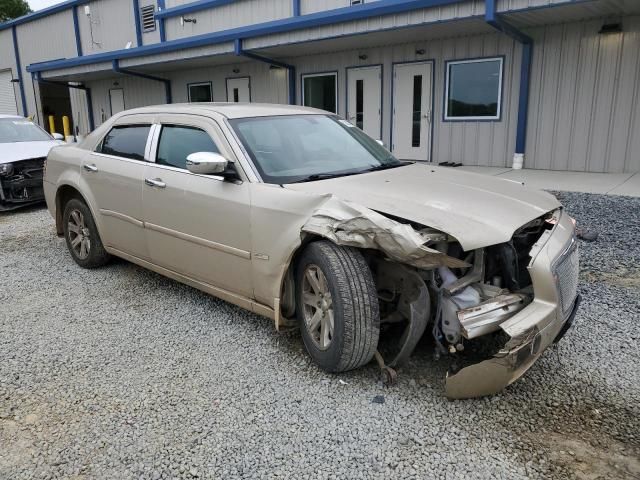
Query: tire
(79, 226)
(353, 304)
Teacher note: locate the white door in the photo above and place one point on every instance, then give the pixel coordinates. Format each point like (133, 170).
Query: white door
(116, 99)
(8, 104)
(412, 116)
(364, 91)
(238, 90)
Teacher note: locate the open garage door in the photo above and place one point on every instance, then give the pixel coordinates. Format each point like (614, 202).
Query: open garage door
(8, 105)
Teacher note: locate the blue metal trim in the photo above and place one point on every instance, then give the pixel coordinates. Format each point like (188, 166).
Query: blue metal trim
(38, 78)
(346, 90)
(161, 30)
(433, 93)
(317, 74)
(136, 19)
(493, 19)
(45, 12)
(16, 52)
(167, 83)
(192, 7)
(444, 90)
(295, 8)
(345, 14)
(76, 30)
(238, 50)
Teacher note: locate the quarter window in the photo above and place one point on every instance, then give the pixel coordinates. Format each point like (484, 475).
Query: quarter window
(200, 92)
(178, 142)
(128, 141)
(473, 89)
(320, 91)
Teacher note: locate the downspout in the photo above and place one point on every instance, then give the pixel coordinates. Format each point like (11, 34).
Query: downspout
(166, 82)
(87, 91)
(16, 52)
(76, 30)
(493, 19)
(296, 8)
(290, 68)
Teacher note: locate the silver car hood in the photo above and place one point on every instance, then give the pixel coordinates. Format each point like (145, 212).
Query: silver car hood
(478, 210)
(13, 152)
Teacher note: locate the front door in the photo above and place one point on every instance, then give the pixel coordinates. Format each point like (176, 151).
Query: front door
(364, 99)
(196, 225)
(238, 90)
(116, 100)
(412, 116)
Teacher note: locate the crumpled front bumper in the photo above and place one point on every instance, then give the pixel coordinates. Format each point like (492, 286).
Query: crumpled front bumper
(534, 328)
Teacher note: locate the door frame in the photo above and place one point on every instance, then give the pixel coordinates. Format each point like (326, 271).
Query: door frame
(433, 93)
(346, 90)
(226, 86)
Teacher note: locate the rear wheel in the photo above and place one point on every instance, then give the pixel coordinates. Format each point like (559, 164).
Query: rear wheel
(337, 306)
(81, 235)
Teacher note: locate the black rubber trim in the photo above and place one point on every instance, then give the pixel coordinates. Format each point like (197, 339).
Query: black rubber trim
(569, 322)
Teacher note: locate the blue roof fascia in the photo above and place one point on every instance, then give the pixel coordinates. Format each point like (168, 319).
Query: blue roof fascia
(191, 7)
(45, 12)
(345, 14)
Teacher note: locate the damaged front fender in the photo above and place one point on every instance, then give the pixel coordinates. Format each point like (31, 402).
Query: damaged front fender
(349, 224)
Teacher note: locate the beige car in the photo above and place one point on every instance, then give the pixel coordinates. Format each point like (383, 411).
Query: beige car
(297, 215)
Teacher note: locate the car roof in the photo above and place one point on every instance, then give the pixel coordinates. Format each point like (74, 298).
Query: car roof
(229, 110)
(12, 116)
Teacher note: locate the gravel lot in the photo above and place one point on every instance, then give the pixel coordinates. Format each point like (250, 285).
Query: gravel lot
(121, 373)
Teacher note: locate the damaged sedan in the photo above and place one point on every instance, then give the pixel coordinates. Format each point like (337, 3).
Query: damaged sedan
(297, 215)
(23, 149)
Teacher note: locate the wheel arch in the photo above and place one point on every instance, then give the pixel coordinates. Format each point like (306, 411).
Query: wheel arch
(64, 193)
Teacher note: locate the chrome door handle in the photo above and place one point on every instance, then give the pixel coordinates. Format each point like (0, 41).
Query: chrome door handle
(90, 168)
(155, 182)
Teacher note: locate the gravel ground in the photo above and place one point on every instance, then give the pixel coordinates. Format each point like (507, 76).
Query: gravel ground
(121, 373)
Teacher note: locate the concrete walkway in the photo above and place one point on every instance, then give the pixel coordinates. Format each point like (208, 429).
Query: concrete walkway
(604, 183)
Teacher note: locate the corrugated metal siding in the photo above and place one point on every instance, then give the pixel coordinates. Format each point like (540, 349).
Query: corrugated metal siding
(112, 23)
(472, 143)
(79, 110)
(505, 5)
(138, 92)
(267, 85)
(246, 12)
(311, 6)
(584, 104)
(416, 17)
(7, 58)
(44, 39)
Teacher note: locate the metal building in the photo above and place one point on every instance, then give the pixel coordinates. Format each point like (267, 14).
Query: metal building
(480, 82)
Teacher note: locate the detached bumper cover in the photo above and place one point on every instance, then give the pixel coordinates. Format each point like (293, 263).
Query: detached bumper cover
(541, 323)
(24, 186)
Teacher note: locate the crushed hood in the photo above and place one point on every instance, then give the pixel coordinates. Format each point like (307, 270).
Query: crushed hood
(13, 152)
(478, 210)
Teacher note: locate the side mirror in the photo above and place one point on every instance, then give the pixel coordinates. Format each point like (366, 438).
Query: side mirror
(206, 163)
(57, 136)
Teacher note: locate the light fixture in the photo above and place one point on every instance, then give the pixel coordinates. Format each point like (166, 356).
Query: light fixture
(274, 67)
(236, 70)
(610, 28)
(420, 51)
(115, 84)
(15, 80)
(362, 56)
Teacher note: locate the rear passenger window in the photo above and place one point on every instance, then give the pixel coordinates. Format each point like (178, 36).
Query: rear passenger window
(128, 141)
(178, 142)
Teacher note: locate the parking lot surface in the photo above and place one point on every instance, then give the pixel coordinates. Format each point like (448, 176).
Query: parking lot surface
(121, 373)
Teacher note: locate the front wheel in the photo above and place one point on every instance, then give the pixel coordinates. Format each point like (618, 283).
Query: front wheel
(337, 306)
(81, 234)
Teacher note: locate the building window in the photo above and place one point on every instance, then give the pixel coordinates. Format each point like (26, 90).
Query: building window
(320, 90)
(200, 92)
(473, 89)
(146, 16)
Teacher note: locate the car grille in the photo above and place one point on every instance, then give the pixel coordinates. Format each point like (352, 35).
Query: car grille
(566, 272)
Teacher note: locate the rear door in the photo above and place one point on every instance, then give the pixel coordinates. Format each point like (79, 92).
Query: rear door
(114, 174)
(196, 225)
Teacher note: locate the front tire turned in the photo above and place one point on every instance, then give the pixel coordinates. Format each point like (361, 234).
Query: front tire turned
(337, 306)
(81, 235)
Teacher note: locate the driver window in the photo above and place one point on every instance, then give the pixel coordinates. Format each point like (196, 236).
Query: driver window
(177, 142)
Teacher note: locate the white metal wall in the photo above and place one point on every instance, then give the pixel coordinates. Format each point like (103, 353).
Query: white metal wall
(111, 25)
(585, 98)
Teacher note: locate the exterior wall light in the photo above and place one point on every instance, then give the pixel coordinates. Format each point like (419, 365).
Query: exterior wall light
(420, 51)
(610, 28)
(363, 56)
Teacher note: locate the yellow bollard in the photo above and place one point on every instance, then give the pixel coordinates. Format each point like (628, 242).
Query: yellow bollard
(52, 125)
(66, 129)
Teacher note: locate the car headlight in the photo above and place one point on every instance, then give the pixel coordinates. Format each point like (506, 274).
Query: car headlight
(6, 169)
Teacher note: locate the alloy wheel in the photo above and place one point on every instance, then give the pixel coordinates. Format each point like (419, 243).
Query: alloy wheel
(317, 307)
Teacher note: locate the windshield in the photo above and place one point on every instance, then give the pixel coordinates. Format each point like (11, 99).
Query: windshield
(295, 148)
(21, 130)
